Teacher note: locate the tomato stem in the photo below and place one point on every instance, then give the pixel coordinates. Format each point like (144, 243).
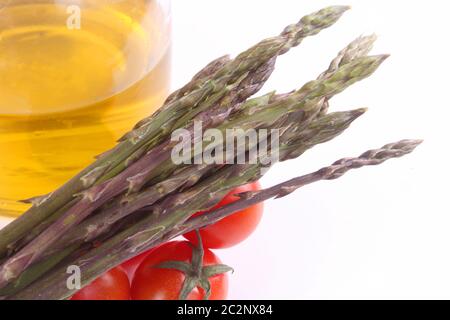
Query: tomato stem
(196, 275)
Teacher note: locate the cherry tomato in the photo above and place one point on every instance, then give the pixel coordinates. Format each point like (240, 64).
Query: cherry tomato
(131, 265)
(233, 229)
(113, 285)
(154, 283)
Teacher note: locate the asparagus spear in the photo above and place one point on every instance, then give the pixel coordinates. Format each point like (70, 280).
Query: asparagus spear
(215, 95)
(129, 204)
(201, 77)
(53, 287)
(202, 92)
(339, 121)
(98, 195)
(204, 195)
(354, 50)
(360, 47)
(335, 171)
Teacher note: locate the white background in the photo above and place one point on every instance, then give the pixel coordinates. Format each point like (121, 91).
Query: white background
(378, 232)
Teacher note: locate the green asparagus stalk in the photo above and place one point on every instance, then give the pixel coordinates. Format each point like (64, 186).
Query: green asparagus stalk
(360, 47)
(356, 49)
(98, 195)
(346, 75)
(339, 121)
(315, 135)
(200, 78)
(335, 171)
(101, 222)
(202, 92)
(206, 194)
(53, 287)
(134, 197)
(130, 203)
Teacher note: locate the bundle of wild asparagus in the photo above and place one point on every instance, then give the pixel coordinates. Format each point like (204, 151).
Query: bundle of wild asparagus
(135, 197)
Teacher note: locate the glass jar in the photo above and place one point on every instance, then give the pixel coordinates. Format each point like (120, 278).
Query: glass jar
(75, 75)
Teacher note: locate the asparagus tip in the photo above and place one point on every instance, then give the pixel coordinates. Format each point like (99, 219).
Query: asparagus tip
(408, 145)
(339, 8)
(359, 112)
(383, 57)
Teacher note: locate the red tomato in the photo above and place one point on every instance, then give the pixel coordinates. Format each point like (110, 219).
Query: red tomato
(131, 265)
(233, 229)
(113, 285)
(153, 283)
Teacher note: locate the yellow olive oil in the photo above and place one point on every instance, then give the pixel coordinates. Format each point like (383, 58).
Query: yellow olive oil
(71, 83)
